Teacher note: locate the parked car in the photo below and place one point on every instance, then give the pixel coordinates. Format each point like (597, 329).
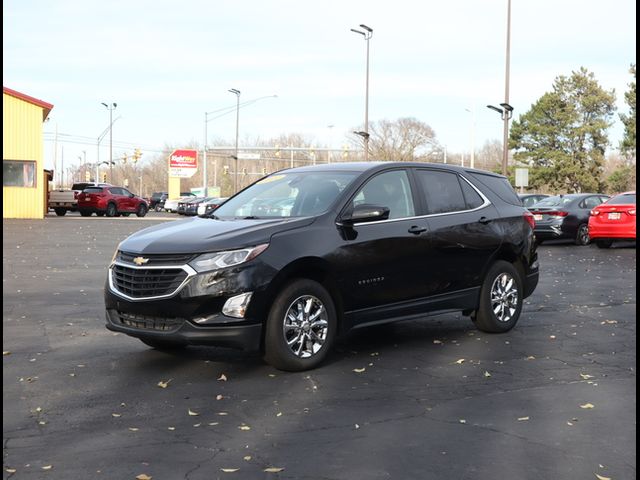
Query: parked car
(110, 201)
(364, 243)
(614, 219)
(156, 198)
(171, 204)
(206, 208)
(565, 216)
(530, 199)
(191, 207)
(160, 203)
(63, 201)
(184, 204)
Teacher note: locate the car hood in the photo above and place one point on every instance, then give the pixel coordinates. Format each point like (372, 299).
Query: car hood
(198, 235)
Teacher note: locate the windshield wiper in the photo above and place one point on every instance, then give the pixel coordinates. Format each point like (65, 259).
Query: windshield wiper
(250, 217)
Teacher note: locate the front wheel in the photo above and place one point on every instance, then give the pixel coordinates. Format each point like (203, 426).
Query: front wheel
(582, 236)
(301, 326)
(61, 212)
(142, 210)
(112, 210)
(500, 299)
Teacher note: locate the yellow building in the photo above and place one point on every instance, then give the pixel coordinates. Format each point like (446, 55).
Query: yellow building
(24, 184)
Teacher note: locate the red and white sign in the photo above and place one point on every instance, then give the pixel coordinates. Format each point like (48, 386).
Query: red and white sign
(183, 163)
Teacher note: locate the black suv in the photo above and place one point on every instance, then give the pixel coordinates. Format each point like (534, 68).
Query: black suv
(305, 254)
(156, 200)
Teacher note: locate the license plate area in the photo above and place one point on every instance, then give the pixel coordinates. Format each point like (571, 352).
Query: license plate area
(613, 216)
(537, 218)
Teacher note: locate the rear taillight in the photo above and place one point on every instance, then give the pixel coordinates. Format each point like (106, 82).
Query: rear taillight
(528, 216)
(632, 212)
(594, 213)
(558, 213)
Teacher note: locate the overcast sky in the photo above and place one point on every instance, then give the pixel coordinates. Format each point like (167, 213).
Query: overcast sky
(167, 63)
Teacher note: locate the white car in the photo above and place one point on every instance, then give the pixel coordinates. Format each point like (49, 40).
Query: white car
(171, 204)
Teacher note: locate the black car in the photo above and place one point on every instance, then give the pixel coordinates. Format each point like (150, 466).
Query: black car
(530, 199)
(565, 216)
(362, 244)
(157, 198)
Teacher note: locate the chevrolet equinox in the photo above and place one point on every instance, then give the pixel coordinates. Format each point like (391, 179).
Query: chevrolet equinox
(306, 254)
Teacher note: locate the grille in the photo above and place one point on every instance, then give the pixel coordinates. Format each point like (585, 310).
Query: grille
(157, 259)
(145, 322)
(147, 282)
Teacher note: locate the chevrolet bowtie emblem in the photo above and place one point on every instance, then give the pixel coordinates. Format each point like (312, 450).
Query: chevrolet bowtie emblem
(140, 260)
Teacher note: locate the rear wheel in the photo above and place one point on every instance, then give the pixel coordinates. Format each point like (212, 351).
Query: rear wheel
(301, 326)
(142, 210)
(604, 243)
(163, 344)
(582, 236)
(500, 299)
(112, 211)
(61, 212)
(100, 214)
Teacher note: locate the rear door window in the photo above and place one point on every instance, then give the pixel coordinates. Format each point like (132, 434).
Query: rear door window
(500, 186)
(442, 191)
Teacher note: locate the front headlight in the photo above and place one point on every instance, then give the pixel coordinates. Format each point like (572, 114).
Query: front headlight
(115, 254)
(216, 260)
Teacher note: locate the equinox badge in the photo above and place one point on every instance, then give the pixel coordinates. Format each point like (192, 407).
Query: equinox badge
(140, 260)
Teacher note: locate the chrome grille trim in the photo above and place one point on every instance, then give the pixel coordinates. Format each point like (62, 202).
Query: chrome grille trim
(186, 268)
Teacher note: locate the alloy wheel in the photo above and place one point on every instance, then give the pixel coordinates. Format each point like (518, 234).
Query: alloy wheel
(504, 297)
(305, 326)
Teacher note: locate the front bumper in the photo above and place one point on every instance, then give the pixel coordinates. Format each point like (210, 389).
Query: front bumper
(244, 336)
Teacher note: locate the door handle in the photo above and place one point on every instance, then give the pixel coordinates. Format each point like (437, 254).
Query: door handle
(416, 230)
(484, 220)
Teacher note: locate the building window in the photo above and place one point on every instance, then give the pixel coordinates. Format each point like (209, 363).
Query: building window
(16, 173)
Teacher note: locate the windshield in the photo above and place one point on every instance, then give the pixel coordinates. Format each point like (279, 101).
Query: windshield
(624, 199)
(558, 201)
(296, 194)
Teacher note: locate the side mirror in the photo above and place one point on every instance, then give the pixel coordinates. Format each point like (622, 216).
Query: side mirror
(131, 195)
(365, 213)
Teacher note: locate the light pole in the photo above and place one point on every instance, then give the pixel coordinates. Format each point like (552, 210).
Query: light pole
(367, 34)
(472, 111)
(111, 108)
(506, 112)
(235, 173)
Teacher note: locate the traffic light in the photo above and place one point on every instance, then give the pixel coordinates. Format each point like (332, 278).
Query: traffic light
(104, 177)
(264, 170)
(136, 155)
(87, 175)
(244, 171)
(126, 182)
(278, 151)
(225, 170)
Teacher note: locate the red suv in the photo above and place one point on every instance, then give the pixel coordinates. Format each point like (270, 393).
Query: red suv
(112, 201)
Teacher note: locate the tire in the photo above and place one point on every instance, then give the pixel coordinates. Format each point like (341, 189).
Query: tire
(582, 235)
(502, 287)
(163, 344)
(112, 210)
(158, 208)
(61, 212)
(293, 340)
(142, 210)
(604, 243)
(100, 214)
(85, 213)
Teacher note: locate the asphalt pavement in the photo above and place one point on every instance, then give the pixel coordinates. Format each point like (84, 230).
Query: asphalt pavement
(555, 398)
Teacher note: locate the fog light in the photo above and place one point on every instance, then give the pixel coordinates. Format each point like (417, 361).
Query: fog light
(237, 306)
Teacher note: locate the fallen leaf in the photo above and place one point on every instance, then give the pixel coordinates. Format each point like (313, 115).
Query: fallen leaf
(171, 428)
(196, 425)
(143, 476)
(212, 424)
(570, 424)
(460, 361)
(116, 415)
(523, 419)
(585, 376)
(487, 374)
(437, 342)
(530, 357)
(222, 378)
(47, 467)
(193, 414)
(462, 420)
(279, 414)
(587, 405)
(7, 352)
(359, 370)
(162, 384)
(134, 429)
(273, 469)
(600, 477)
(229, 470)
(10, 470)
(552, 337)
(244, 427)
(357, 426)
(219, 397)
(247, 457)
(222, 413)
